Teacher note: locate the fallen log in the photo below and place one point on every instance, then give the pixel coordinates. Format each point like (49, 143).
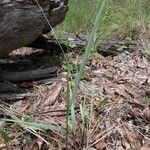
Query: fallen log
(28, 75)
(79, 40)
(106, 47)
(23, 21)
(114, 47)
(6, 87)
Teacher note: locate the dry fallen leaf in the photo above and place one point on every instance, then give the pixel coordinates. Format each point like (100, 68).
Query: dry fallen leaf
(122, 86)
(120, 148)
(129, 136)
(146, 112)
(148, 81)
(2, 144)
(125, 143)
(39, 145)
(54, 94)
(145, 147)
(23, 107)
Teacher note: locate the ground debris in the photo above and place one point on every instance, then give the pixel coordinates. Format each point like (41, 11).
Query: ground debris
(116, 89)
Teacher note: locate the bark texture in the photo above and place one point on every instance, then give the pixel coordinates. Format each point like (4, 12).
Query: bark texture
(22, 21)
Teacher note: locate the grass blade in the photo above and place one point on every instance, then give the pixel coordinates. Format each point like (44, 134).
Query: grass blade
(87, 50)
(4, 136)
(37, 126)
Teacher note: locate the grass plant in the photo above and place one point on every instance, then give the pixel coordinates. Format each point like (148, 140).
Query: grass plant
(114, 17)
(120, 17)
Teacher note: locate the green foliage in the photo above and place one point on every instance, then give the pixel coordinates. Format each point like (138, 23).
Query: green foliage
(122, 48)
(69, 42)
(4, 135)
(36, 126)
(119, 17)
(146, 100)
(146, 49)
(71, 93)
(88, 48)
(91, 148)
(73, 68)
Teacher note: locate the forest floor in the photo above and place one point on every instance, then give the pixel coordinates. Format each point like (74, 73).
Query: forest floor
(112, 106)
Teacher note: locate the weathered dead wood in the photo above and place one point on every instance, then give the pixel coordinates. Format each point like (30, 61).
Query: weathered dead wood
(79, 40)
(25, 65)
(49, 44)
(114, 47)
(17, 96)
(47, 81)
(29, 75)
(105, 48)
(22, 21)
(8, 79)
(6, 87)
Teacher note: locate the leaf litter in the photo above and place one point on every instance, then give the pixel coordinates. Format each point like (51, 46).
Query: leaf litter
(116, 94)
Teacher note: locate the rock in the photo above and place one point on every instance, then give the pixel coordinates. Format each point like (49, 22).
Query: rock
(23, 21)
